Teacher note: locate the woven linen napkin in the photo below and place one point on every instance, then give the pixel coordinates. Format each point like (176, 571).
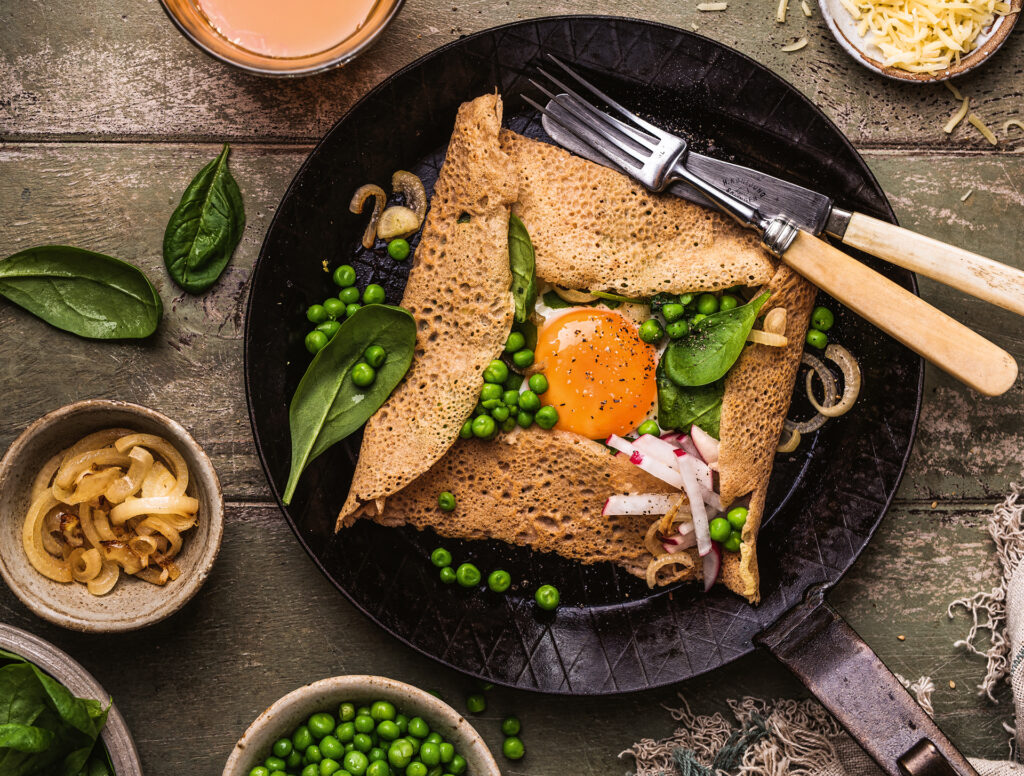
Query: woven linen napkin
(800, 738)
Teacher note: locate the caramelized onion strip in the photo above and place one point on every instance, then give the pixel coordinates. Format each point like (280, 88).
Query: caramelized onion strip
(32, 541)
(165, 450)
(656, 565)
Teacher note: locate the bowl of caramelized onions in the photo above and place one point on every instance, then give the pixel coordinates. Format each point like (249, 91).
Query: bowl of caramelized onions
(111, 516)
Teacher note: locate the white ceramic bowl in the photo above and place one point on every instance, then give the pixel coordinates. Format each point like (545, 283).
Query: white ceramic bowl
(325, 695)
(132, 603)
(116, 737)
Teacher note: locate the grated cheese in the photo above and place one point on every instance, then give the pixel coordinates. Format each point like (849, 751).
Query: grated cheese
(984, 130)
(795, 45)
(957, 117)
(953, 90)
(712, 6)
(1013, 123)
(924, 36)
(805, 8)
(965, 196)
(780, 13)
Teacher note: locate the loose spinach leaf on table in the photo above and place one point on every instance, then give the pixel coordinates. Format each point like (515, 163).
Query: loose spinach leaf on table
(712, 346)
(205, 228)
(86, 293)
(327, 405)
(521, 260)
(679, 408)
(46, 729)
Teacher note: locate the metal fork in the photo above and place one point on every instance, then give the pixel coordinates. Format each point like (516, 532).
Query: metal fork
(657, 158)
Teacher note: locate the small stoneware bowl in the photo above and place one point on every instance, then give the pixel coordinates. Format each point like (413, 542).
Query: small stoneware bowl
(133, 603)
(58, 664)
(325, 695)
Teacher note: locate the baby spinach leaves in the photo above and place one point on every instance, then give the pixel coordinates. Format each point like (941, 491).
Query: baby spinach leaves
(327, 405)
(46, 729)
(680, 408)
(712, 346)
(522, 263)
(205, 228)
(86, 293)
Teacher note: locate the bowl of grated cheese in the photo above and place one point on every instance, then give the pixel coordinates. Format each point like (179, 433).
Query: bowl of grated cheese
(921, 40)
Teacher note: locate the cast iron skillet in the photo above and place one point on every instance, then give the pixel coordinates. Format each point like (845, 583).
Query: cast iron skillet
(612, 634)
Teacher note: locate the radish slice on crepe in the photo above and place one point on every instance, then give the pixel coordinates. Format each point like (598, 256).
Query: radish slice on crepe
(687, 446)
(688, 472)
(712, 567)
(679, 543)
(648, 463)
(657, 448)
(707, 446)
(640, 504)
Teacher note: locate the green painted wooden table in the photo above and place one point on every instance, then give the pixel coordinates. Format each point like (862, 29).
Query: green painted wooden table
(106, 113)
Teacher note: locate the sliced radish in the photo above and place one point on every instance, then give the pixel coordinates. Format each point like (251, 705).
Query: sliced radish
(686, 530)
(678, 543)
(615, 442)
(712, 567)
(707, 446)
(688, 474)
(640, 504)
(672, 436)
(656, 468)
(686, 445)
(656, 448)
(705, 478)
(713, 502)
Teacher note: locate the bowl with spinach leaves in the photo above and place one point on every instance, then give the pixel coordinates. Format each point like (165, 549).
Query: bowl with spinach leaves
(60, 720)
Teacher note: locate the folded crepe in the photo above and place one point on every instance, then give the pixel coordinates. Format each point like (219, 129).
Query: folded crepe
(592, 228)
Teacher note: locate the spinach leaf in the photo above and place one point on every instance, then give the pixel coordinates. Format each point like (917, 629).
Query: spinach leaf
(521, 261)
(85, 293)
(712, 346)
(327, 405)
(680, 408)
(205, 228)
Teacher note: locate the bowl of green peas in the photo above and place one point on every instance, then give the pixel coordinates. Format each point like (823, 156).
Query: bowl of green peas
(360, 726)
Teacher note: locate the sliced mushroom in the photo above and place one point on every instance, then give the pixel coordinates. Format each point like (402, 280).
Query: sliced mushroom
(362, 194)
(411, 187)
(397, 221)
(574, 297)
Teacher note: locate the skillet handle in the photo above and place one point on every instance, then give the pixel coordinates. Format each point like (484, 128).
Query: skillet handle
(814, 642)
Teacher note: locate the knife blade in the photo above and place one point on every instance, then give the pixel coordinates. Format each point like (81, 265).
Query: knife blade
(812, 211)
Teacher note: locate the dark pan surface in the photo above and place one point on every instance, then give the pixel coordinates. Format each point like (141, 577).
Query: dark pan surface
(612, 634)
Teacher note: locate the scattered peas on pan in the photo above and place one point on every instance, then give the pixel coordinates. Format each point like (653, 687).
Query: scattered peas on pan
(547, 597)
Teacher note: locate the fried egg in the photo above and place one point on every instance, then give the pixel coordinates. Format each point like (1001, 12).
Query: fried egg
(600, 373)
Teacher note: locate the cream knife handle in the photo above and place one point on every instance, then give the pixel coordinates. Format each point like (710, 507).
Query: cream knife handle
(930, 333)
(984, 278)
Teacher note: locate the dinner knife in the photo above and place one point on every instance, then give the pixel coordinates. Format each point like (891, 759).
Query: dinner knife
(816, 213)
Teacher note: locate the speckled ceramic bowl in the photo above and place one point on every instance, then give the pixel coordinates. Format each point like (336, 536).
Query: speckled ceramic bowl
(297, 706)
(132, 603)
(116, 737)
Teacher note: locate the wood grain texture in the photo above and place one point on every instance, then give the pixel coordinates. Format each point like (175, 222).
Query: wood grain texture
(64, 76)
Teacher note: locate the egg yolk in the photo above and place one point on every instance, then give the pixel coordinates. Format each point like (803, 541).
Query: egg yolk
(600, 373)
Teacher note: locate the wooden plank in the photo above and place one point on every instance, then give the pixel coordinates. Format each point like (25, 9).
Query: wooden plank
(267, 622)
(116, 198)
(106, 70)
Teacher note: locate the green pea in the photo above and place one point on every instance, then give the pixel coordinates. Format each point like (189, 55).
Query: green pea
(499, 581)
(376, 754)
(514, 382)
(329, 766)
(320, 725)
(416, 768)
(260, 770)
(312, 754)
(513, 748)
(382, 710)
(347, 712)
(547, 597)
(447, 752)
(697, 319)
(302, 738)
(822, 318)
(350, 746)
(418, 727)
(433, 738)
(524, 419)
(446, 501)
(508, 424)
(316, 341)
(673, 312)
(529, 401)
(516, 341)
(331, 747)
(732, 544)
(311, 770)
(400, 753)
(500, 413)
(467, 430)
(293, 760)
(467, 575)
(448, 575)
(388, 730)
(510, 398)
(651, 331)
(352, 309)
(356, 763)
(375, 356)
(546, 417)
(363, 374)
(362, 742)
(678, 330)
(686, 299)
(719, 528)
(728, 302)
(484, 427)
(363, 711)
(403, 724)
(316, 313)
(707, 304)
(490, 404)
(334, 307)
(373, 294)
(496, 372)
(490, 391)
(538, 383)
(364, 723)
(457, 765)
(349, 294)
(817, 339)
(378, 768)
(522, 358)
(398, 249)
(430, 753)
(737, 517)
(510, 726)
(649, 427)
(329, 328)
(476, 703)
(344, 276)
(345, 731)
(441, 557)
